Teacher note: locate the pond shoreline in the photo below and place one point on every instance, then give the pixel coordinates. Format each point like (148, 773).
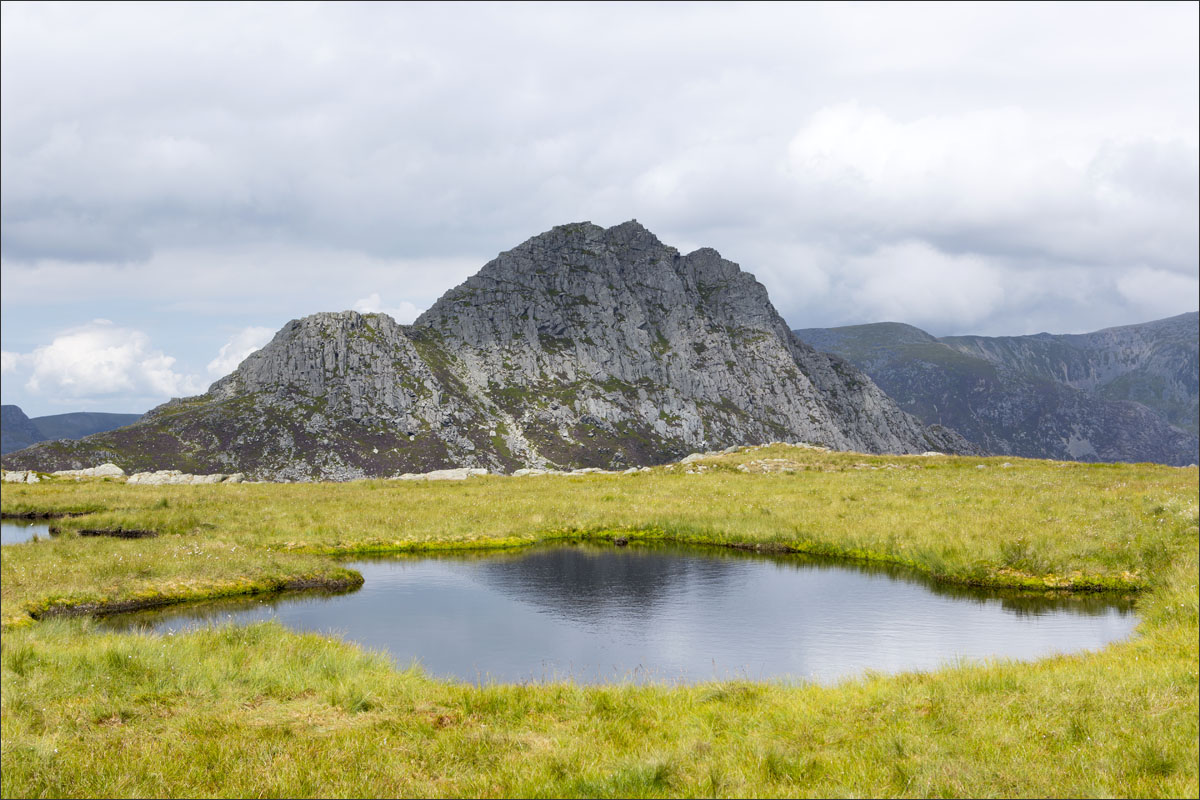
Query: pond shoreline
(106, 608)
(1012, 580)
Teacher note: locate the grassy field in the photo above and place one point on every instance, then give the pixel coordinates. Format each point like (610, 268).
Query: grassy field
(264, 711)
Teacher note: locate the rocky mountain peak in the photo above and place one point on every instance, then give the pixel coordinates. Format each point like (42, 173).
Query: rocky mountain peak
(583, 346)
(576, 282)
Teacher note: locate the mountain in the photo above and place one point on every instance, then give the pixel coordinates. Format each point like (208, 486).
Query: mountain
(583, 346)
(18, 431)
(1119, 394)
(78, 424)
(1154, 363)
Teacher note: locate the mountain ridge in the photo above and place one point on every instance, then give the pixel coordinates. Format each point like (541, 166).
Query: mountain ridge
(1126, 393)
(18, 431)
(582, 346)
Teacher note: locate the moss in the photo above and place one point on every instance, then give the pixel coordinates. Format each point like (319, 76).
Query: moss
(660, 345)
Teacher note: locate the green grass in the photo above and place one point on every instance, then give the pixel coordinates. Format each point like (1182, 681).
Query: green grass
(264, 711)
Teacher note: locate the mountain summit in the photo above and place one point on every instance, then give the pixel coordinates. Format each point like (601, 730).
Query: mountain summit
(583, 346)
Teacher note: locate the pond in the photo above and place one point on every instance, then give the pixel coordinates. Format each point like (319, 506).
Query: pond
(596, 614)
(15, 531)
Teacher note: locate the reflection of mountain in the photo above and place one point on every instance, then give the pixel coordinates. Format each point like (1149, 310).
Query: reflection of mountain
(584, 583)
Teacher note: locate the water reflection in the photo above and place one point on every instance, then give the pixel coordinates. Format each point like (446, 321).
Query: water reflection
(579, 580)
(669, 614)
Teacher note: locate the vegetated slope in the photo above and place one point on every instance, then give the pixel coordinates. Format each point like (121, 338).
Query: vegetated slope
(583, 346)
(1120, 394)
(18, 431)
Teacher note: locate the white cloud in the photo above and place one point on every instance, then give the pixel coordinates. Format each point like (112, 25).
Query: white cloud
(9, 361)
(403, 312)
(912, 282)
(1155, 292)
(100, 359)
(234, 352)
(999, 181)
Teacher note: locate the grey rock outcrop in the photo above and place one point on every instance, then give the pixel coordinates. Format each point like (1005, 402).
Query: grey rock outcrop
(173, 477)
(460, 474)
(20, 476)
(101, 471)
(583, 347)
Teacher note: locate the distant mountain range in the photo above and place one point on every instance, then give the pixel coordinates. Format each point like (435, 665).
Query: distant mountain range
(18, 431)
(582, 347)
(1120, 394)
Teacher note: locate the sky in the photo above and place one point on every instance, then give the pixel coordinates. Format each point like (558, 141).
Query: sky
(178, 181)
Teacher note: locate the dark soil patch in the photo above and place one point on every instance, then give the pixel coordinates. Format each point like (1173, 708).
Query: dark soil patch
(43, 514)
(119, 533)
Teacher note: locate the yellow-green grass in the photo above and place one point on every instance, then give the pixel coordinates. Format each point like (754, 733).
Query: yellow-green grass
(261, 710)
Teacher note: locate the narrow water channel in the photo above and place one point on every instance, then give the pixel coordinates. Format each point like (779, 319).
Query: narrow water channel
(667, 614)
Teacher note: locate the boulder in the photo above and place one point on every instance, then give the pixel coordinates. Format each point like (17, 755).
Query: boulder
(173, 477)
(106, 470)
(458, 474)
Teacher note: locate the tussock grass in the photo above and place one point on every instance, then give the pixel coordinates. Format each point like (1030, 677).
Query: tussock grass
(263, 711)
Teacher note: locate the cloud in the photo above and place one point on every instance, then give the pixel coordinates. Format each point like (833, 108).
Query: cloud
(9, 361)
(912, 282)
(233, 166)
(267, 279)
(100, 359)
(404, 312)
(998, 181)
(234, 352)
(1155, 292)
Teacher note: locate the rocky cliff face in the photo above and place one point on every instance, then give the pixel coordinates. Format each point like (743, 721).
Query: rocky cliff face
(583, 346)
(1121, 394)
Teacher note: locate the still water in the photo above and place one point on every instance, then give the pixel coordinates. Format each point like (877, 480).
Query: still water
(667, 614)
(15, 531)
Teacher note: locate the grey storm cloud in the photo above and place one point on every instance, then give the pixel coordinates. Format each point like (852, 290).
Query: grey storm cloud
(1026, 166)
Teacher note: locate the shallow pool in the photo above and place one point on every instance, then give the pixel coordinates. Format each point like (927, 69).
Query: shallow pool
(668, 614)
(15, 531)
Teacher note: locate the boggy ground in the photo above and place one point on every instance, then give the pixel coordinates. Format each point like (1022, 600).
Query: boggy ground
(264, 711)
